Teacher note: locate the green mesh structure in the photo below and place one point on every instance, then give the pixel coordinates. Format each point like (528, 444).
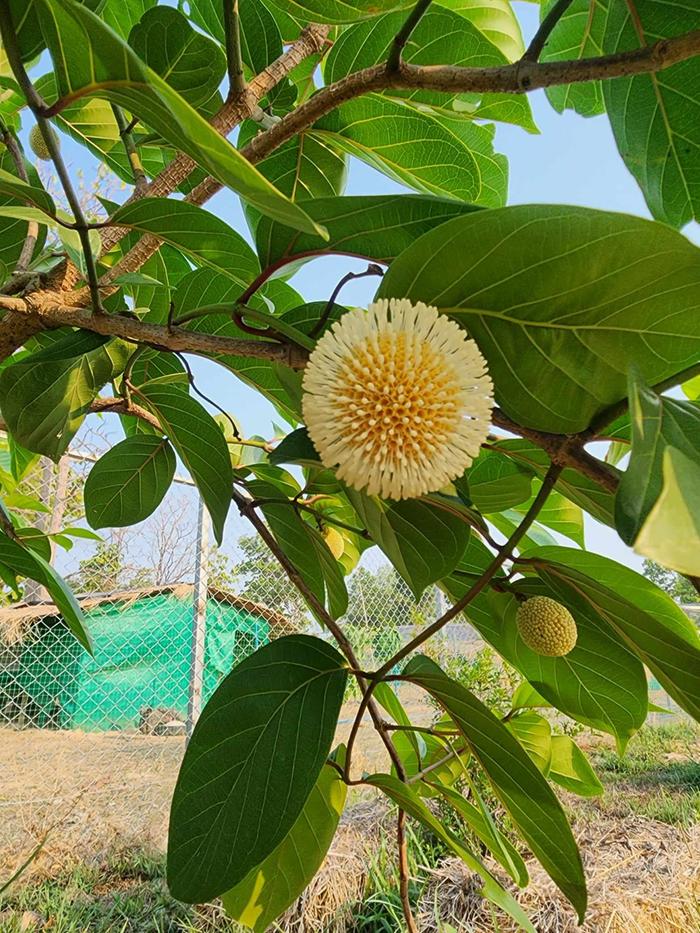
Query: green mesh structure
(141, 659)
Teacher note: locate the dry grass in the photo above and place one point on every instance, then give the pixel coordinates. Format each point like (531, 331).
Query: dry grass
(643, 877)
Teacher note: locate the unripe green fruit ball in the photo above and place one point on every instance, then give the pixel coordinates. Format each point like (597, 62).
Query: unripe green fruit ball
(38, 143)
(546, 626)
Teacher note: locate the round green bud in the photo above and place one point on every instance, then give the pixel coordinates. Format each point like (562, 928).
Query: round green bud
(38, 143)
(546, 626)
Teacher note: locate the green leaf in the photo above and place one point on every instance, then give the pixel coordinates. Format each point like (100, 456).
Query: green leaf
(559, 514)
(422, 541)
(656, 117)
(338, 11)
(648, 620)
(377, 227)
(497, 482)
(577, 34)
(496, 19)
(480, 821)
(110, 69)
(123, 15)
(28, 563)
(199, 442)
(523, 791)
(13, 187)
(601, 682)
(272, 886)
(441, 36)
(658, 423)
(252, 762)
(575, 487)
(429, 151)
(535, 735)
(191, 63)
(127, 484)
(203, 236)
(13, 235)
(571, 769)
(671, 532)
(407, 799)
(296, 447)
(45, 395)
(526, 696)
(305, 548)
(561, 301)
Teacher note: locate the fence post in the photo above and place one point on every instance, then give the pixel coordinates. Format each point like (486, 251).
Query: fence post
(199, 620)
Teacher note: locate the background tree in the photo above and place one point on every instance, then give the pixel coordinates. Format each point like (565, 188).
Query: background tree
(675, 584)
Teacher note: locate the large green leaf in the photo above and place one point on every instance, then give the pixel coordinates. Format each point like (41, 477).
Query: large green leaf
(523, 791)
(127, 484)
(496, 19)
(306, 549)
(422, 541)
(441, 36)
(45, 396)
(122, 15)
(13, 187)
(409, 801)
(656, 117)
(272, 886)
(376, 227)
(29, 564)
(657, 423)
(497, 482)
(577, 34)
(561, 300)
(190, 62)
(576, 487)
(253, 759)
(671, 532)
(202, 235)
(601, 682)
(535, 735)
(571, 769)
(338, 11)
(427, 150)
(648, 620)
(559, 514)
(109, 68)
(199, 442)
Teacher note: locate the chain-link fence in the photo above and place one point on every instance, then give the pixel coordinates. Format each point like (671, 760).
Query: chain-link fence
(93, 743)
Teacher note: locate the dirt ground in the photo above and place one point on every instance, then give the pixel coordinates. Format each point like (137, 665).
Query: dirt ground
(96, 792)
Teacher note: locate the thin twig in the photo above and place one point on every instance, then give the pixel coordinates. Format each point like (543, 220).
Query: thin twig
(372, 269)
(234, 57)
(393, 62)
(404, 871)
(547, 26)
(132, 154)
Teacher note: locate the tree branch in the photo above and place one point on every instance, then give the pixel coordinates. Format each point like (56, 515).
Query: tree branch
(43, 311)
(127, 138)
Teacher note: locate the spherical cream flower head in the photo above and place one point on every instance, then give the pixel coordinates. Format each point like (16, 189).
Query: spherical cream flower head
(397, 398)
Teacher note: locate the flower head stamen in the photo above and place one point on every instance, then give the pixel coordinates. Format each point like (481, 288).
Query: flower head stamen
(397, 398)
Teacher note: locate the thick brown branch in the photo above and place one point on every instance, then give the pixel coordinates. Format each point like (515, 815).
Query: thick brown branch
(41, 314)
(121, 406)
(564, 450)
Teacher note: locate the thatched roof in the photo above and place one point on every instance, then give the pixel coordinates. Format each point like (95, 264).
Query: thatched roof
(16, 620)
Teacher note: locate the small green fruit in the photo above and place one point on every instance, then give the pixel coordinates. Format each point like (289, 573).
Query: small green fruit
(546, 626)
(38, 143)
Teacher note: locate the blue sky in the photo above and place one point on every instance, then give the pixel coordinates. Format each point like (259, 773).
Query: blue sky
(572, 161)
